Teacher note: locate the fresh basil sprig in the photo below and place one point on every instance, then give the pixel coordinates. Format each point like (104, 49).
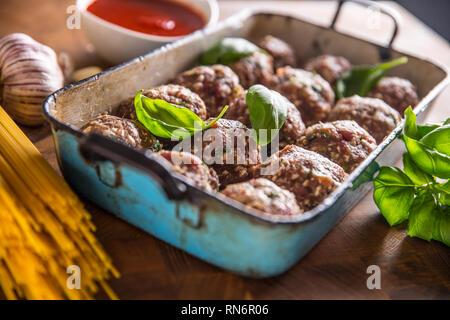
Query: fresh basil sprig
(167, 120)
(393, 194)
(359, 80)
(420, 193)
(228, 50)
(431, 151)
(268, 111)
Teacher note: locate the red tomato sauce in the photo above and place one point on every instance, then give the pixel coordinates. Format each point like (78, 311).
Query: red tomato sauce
(156, 17)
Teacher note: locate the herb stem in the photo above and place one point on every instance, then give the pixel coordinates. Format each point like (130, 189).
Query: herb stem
(393, 63)
(209, 125)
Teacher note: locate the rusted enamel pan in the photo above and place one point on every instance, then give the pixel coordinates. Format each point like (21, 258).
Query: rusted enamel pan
(145, 193)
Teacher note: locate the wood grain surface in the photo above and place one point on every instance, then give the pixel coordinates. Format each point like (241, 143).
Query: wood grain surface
(336, 267)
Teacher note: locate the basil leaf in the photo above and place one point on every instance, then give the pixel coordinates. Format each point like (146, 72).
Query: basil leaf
(444, 192)
(444, 226)
(436, 234)
(422, 217)
(444, 199)
(228, 50)
(441, 230)
(172, 114)
(424, 129)
(414, 173)
(443, 187)
(438, 139)
(430, 161)
(156, 126)
(393, 194)
(268, 111)
(359, 80)
(410, 127)
(167, 120)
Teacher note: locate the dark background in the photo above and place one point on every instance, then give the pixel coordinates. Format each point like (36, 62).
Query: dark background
(434, 13)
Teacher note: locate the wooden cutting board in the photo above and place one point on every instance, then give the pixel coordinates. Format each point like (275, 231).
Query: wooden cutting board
(336, 267)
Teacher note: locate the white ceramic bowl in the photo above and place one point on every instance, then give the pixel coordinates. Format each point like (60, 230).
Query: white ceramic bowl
(117, 44)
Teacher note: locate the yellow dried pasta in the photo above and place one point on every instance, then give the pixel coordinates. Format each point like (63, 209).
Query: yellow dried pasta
(44, 227)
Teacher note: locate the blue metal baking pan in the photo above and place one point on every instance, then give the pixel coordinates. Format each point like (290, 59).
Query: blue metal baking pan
(145, 193)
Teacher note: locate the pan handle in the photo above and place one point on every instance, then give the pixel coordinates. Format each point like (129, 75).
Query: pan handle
(95, 147)
(385, 52)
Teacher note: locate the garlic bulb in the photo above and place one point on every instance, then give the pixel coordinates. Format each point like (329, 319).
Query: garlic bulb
(29, 72)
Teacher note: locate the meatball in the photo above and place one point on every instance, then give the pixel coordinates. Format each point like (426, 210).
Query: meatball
(290, 132)
(331, 68)
(128, 132)
(217, 85)
(229, 149)
(192, 168)
(238, 110)
(372, 114)
(171, 93)
(254, 69)
(309, 92)
(264, 195)
(343, 142)
(308, 175)
(397, 92)
(282, 53)
(293, 128)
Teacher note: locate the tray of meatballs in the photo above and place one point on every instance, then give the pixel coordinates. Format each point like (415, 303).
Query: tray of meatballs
(243, 144)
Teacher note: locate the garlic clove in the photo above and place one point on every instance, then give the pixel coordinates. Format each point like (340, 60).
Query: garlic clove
(29, 72)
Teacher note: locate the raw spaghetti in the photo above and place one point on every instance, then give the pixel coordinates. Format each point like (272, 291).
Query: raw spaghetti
(44, 228)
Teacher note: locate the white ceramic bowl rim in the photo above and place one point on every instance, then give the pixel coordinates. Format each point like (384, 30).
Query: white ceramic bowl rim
(212, 19)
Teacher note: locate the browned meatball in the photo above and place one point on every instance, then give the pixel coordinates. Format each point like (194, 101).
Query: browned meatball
(343, 142)
(229, 149)
(238, 110)
(171, 93)
(372, 114)
(290, 133)
(397, 92)
(329, 67)
(293, 128)
(192, 168)
(308, 175)
(309, 92)
(282, 53)
(254, 69)
(217, 85)
(125, 131)
(264, 195)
